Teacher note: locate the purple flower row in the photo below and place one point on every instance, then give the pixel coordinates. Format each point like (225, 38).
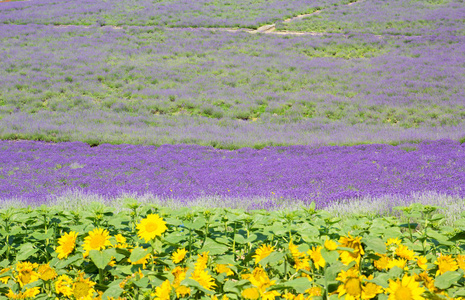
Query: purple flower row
(35, 170)
(243, 13)
(396, 17)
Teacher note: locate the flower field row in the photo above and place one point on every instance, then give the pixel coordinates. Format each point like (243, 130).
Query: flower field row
(33, 171)
(398, 17)
(160, 13)
(147, 252)
(150, 85)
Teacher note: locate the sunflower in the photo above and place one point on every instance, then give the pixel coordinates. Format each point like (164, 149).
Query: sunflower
(263, 252)
(83, 288)
(179, 255)
(162, 292)
(395, 241)
(202, 261)
(31, 293)
(215, 297)
(314, 291)
(421, 262)
(4, 279)
(151, 227)
(220, 268)
(330, 245)
(371, 290)
(383, 262)
(405, 289)
(66, 244)
(182, 291)
(46, 272)
(204, 279)
(461, 261)
(400, 263)
(25, 273)
(315, 254)
(251, 293)
(120, 241)
(63, 285)
(97, 239)
(428, 282)
(354, 243)
(404, 252)
(351, 284)
(445, 263)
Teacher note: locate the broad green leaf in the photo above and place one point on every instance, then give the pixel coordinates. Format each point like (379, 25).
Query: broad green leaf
(376, 244)
(26, 251)
(445, 280)
(100, 258)
(192, 283)
(299, 284)
(329, 256)
(214, 247)
(113, 291)
(272, 258)
(138, 253)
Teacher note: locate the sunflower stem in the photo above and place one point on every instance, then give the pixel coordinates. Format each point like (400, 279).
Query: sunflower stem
(100, 276)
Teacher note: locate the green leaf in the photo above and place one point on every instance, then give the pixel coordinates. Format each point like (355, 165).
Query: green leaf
(329, 256)
(26, 251)
(138, 253)
(445, 280)
(240, 239)
(299, 284)
(376, 244)
(272, 258)
(214, 247)
(100, 258)
(332, 271)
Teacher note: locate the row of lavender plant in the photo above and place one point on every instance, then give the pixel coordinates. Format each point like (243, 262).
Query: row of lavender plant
(397, 17)
(35, 170)
(269, 81)
(241, 13)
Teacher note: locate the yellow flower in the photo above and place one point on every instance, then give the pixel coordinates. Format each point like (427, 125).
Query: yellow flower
(220, 268)
(395, 241)
(404, 252)
(301, 260)
(383, 262)
(354, 243)
(260, 280)
(428, 282)
(63, 285)
(461, 261)
(202, 261)
(263, 252)
(46, 272)
(251, 293)
(31, 293)
(151, 227)
(351, 284)
(83, 288)
(331, 245)
(314, 291)
(445, 263)
(421, 262)
(26, 273)
(204, 279)
(182, 291)
(405, 289)
(120, 241)
(66, 244)
(179, 255)
(315, 255)
(401, 263)
(214, 297)
(4, 279)
(370, 290)
(163, 292)
(97, 239)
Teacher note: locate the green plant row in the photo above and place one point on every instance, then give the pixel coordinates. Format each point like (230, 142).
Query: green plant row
(150, 252)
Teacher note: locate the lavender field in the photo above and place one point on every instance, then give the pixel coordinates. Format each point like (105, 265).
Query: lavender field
(183, 100)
